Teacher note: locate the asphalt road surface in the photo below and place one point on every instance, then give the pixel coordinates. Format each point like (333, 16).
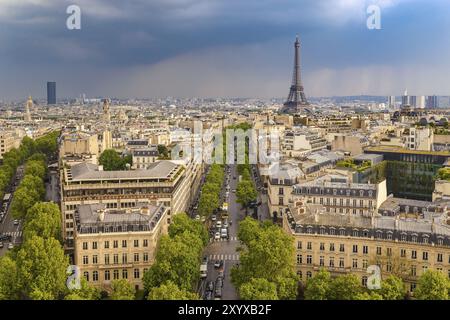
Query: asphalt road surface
(7, 226)
(227, 249)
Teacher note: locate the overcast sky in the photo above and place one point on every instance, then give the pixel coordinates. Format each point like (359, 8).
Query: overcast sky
(228, 48)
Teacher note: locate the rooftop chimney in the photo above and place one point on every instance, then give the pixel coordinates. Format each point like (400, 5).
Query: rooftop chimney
(101, 215)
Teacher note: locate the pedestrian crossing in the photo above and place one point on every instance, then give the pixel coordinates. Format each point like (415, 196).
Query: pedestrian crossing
(226, 257)
(13, 234)
(223, 240)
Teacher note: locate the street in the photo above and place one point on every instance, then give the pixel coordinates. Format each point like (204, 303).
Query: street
(52, 187)
(7, 226)
(227, 249)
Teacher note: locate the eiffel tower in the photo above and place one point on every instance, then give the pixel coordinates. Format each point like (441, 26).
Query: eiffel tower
(296, 101)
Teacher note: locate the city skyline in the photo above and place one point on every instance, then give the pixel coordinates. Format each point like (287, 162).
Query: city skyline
(216, 49)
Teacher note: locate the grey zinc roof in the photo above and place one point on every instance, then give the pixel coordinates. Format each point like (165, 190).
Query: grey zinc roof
(379, 222)
(89, 214)
(157, 170)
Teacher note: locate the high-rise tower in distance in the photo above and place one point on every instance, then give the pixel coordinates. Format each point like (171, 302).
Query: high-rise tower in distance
(405, 98)
(28, 106)
(296, 101)
(51, 92)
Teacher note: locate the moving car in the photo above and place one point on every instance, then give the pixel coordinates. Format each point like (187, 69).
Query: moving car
(219, 283)
(5, 237)
(208, 295)
(224, 233)
(218, 293)
(210, 286)
(218, 264)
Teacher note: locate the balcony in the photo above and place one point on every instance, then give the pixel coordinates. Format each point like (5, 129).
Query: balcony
(149, 196)
(90, 186)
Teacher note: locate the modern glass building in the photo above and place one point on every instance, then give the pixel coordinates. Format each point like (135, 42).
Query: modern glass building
(51, 92)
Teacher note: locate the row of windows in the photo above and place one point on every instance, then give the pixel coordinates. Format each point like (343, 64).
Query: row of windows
(334, 191)
(347, 203)
(115, 244)
(388, 267)
(115, 275)
(379, 234)
(365, 250)
(107, 261)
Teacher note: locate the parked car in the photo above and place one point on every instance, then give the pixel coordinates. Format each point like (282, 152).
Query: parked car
(213, 217)
(217, 236)
(197, 217)
(221, 275)
(16, 222)
(1, 244)
(10, 246)
(218, 224)
(225, 224)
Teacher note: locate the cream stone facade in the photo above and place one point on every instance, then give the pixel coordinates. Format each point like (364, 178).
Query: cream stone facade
(113, 244)
(165, 182)
(343, 243)
(6, 142)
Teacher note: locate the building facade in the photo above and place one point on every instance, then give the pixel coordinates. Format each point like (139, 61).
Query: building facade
(342, 197)
(113, 244)
(343, 244)
(165, 182)
(6, 142)
(51, 92)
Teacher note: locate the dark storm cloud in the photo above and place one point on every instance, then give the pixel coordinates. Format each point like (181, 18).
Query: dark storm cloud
(142, 48)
